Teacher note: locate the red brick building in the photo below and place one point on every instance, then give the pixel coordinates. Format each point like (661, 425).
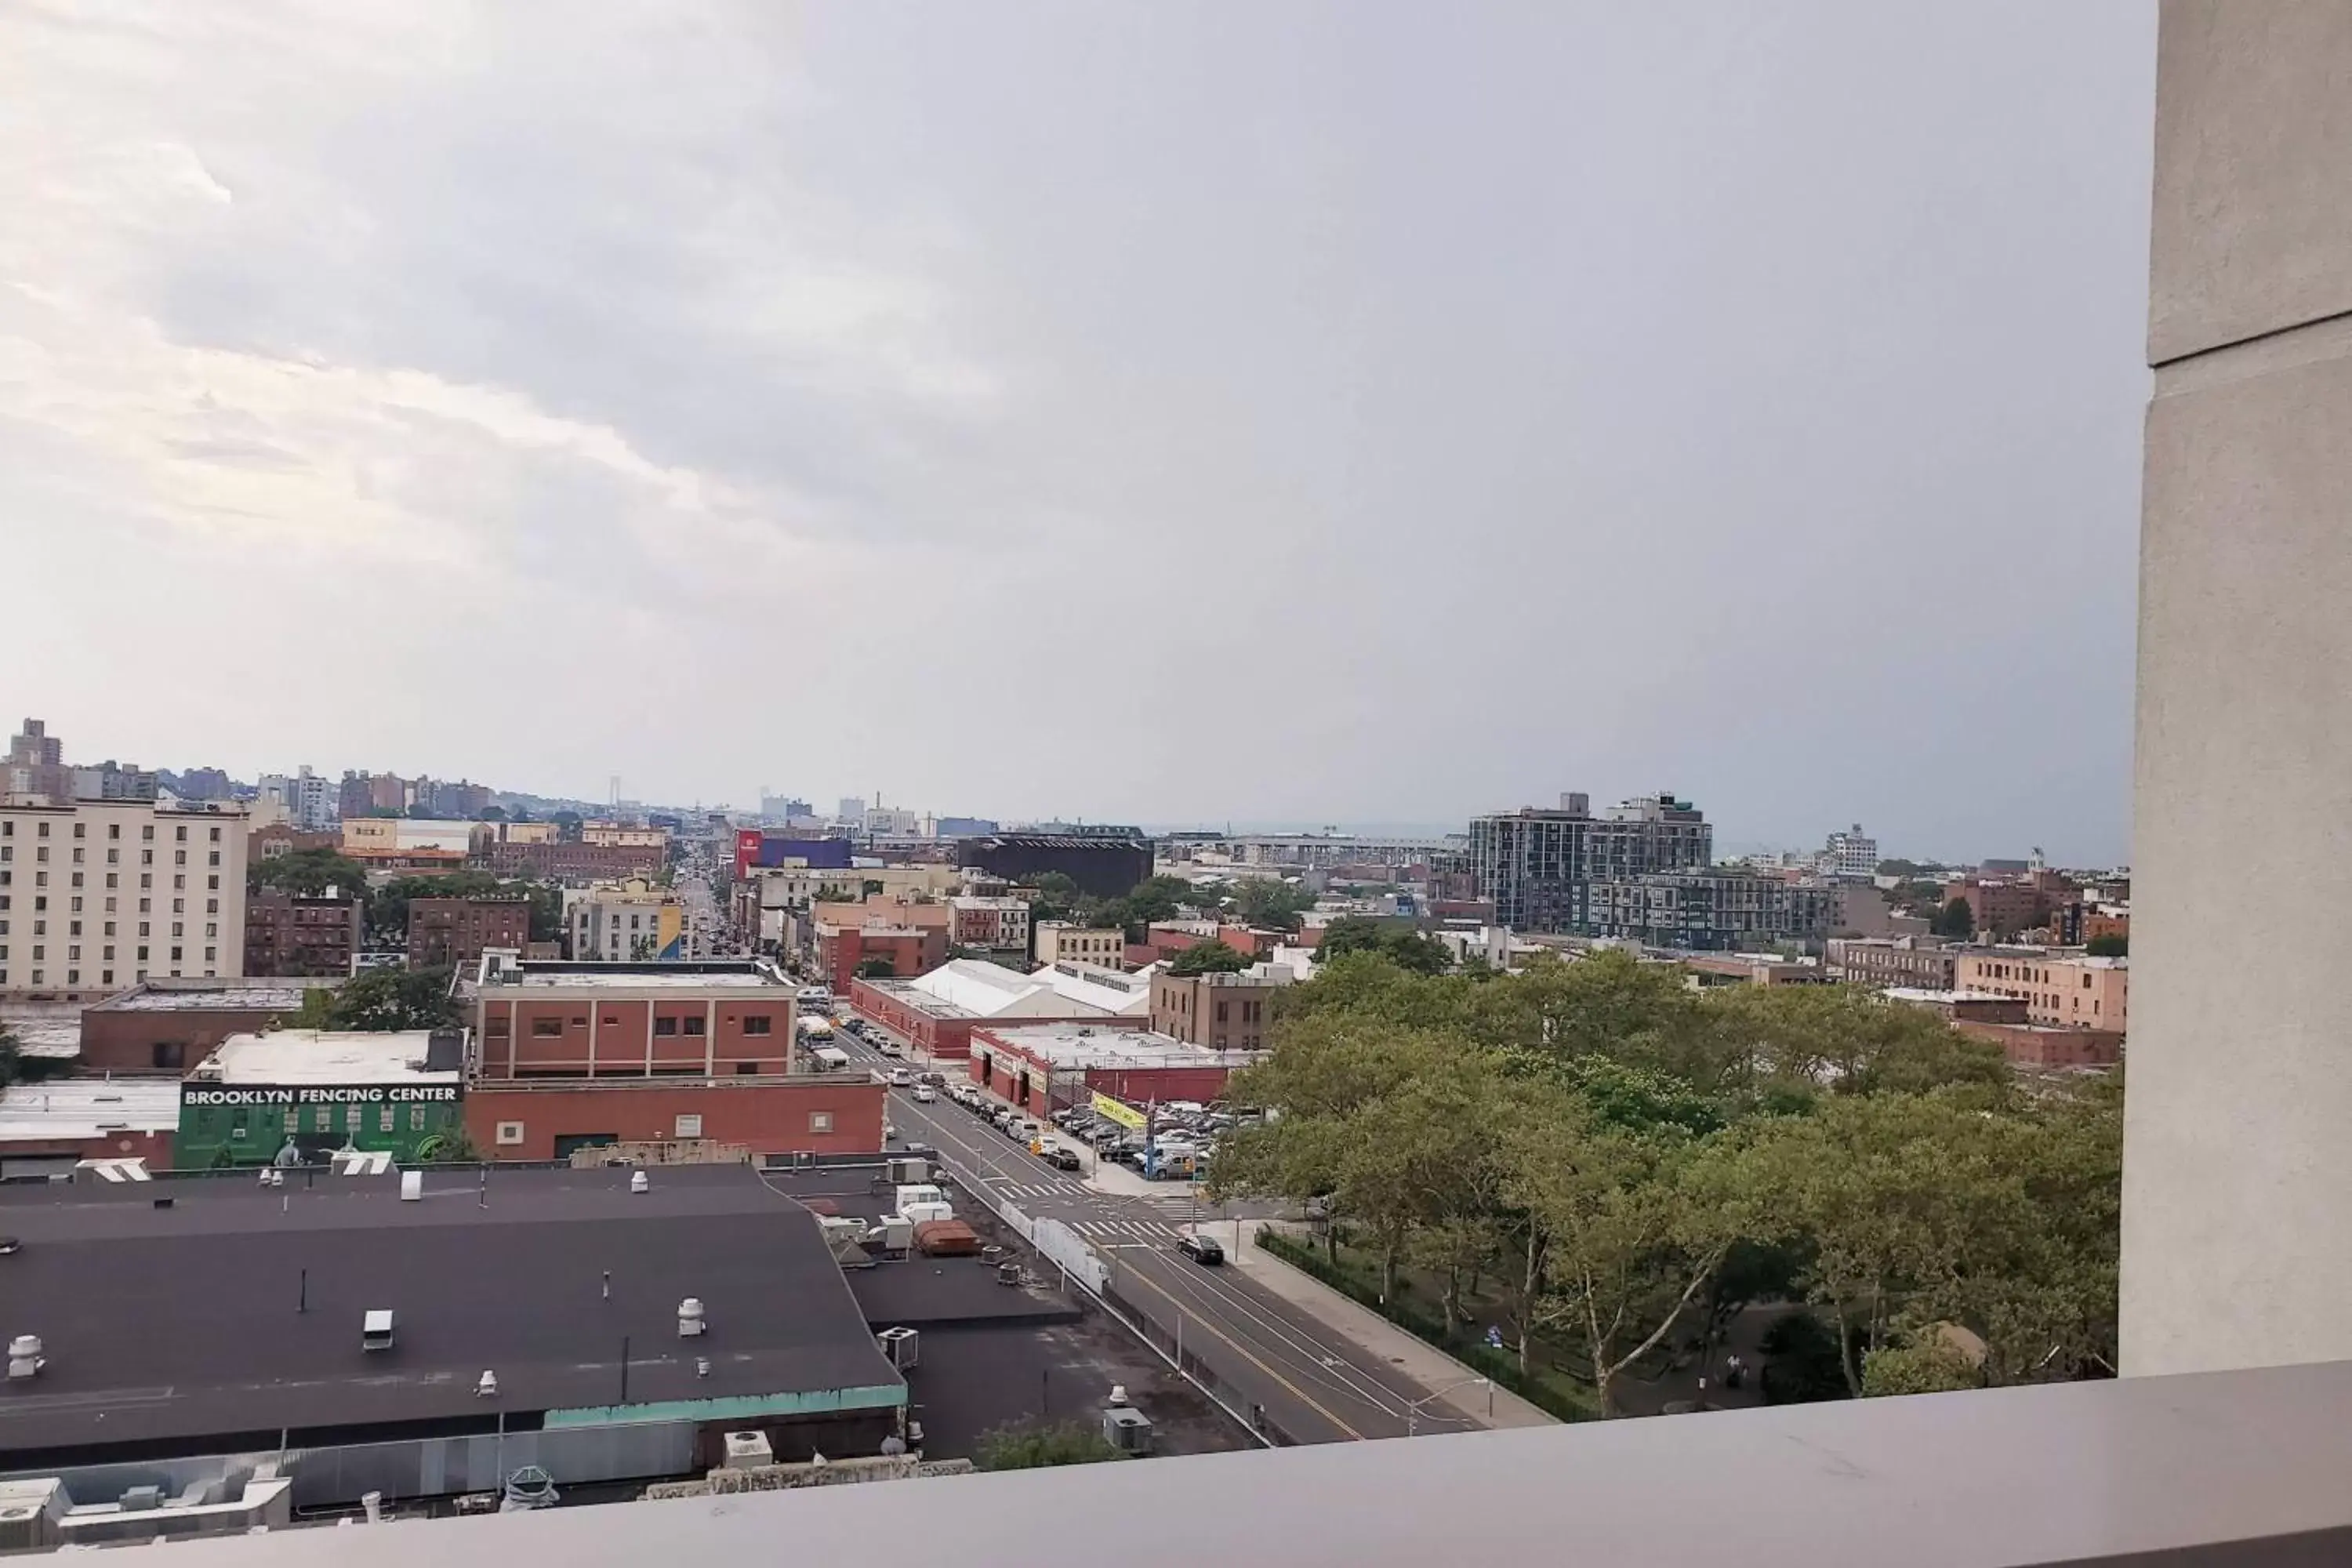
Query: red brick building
(289, 934)
(910, 950)
(2044, 1046)
(1045, 1066)
(166, 1026)
(543, 1119)
(455, 930)
(569, 1055)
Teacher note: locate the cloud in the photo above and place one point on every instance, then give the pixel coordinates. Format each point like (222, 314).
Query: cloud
(985, 408)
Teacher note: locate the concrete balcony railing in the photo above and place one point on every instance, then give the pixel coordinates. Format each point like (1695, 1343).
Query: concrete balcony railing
(2238, 1468)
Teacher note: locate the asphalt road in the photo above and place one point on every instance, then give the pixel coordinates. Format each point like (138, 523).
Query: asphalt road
(1315, 1385)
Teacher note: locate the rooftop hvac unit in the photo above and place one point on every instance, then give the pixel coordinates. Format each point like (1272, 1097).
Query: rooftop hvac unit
(908, 1171)
(412, 1186)
(1127, 1429)
(748, 1451)
(376, 1329)
(903, 1346)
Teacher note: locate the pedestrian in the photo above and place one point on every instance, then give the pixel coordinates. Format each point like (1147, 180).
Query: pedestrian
(1734, 1369)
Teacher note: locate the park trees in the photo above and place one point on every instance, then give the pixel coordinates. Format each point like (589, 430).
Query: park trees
(1208, 958)
(1606, 1160)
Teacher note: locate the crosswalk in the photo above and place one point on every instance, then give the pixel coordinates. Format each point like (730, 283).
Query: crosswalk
(1114, 1230)
(1042, 1189)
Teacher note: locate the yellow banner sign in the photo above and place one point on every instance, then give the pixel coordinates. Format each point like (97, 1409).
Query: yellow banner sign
(1111, 1110)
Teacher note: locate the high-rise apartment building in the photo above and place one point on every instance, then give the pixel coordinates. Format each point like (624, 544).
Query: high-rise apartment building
(313, 804)
(99, 895)
(1851, 854)
(1539, 863)
(36, 765)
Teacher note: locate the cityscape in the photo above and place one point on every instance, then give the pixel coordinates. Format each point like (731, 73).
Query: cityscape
(1098, 1060)
(1545, 782)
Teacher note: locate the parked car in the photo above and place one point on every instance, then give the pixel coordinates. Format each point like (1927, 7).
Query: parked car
(1021, 1129)
(1064, 1158)
(935, 1080)
(1201, 1248)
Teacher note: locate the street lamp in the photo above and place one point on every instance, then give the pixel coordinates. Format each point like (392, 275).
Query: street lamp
(1413, 1411)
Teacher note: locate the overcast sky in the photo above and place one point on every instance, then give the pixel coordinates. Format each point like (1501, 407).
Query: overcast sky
(1343, 413)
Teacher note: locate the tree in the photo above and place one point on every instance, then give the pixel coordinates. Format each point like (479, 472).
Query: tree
(567, 825)
(876, 968)
(1155, 899)
(1954, 920)
(1632, 1232)
(1926, 1366)
(1267, 904)
(386, 999)
(1400, 945)
(1056, 898)
(1784, 1044)
(307, 873)
(1034, 1445)
(1208, 958)
(2108, 946)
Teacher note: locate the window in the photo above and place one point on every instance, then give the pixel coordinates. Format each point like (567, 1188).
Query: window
(175, 955)
(181, 834)
(113, 880)
(215, 858)
(746, 1070)
(114, 830)
(169, 1054)
(77, 849)
(383, 1118)
(757, 1024)
(820, 1120)
(146, 857)
(694, 1026)
(689, 1125)
(1221, 1011)
(497, 1029)
(509, 1133)
(143, 927)
(43, 830)
(546, 1028)
(142, 954)
(215, 836)
(665, 1026)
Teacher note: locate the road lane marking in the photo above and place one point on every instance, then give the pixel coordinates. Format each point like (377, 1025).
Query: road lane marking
(1304, 1397)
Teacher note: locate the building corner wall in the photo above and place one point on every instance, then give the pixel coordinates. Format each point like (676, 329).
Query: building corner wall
(2238, 1161)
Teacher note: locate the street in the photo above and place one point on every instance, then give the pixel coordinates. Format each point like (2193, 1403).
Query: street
(1316, 1386)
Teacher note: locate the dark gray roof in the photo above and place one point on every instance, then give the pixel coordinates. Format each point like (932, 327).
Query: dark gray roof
(181, 1323)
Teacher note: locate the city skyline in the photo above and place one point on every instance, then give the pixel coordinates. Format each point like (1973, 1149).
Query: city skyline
(1757, 420)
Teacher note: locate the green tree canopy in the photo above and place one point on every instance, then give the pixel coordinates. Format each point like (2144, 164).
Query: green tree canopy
(2108, 946)
(1208, 958)
(875, 969)
(1269, 904)
(1398, 943)
(388, 999)
(1954, 920)
(307, 873)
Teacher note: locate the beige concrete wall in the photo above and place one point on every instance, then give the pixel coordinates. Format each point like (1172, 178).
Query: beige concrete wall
(2238, 1145)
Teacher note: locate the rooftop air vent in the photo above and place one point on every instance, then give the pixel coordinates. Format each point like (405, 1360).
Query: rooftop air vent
(376, 1329)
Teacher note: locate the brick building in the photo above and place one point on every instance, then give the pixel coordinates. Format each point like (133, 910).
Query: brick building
(166, 1025)
(2061, 989)
(455, 930)
(911, 949)
(1219, 1011)
(1883, 962)
(2042, 1046)
(561, 862)
(999, 923)
(1060, 942)
(290, 934)
(1046, 1066)
(573, 1055)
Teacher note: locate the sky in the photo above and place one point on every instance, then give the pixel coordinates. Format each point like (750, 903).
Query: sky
(1323, 413)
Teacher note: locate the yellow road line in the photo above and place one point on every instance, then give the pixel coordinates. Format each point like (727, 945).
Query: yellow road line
(1304, 1397)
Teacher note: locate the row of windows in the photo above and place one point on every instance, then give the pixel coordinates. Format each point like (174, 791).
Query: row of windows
(689, 1024)
(113, 830)
(105, 976)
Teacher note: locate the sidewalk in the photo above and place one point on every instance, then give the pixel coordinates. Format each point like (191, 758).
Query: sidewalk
(1376, 1336)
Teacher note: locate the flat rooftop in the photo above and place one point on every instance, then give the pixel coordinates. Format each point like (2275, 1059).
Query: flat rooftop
(261, 994)
(50, 1029)
(85, 1108)
(507, 1276)
(322, 1055)
(1084, 1046)
(552, 974)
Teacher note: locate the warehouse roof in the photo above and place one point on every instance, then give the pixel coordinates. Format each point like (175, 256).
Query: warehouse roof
(1075, 1045)
(322, 1055)
(510, 1276)
(87, 1108)
(263, 993)
(44, 1028)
